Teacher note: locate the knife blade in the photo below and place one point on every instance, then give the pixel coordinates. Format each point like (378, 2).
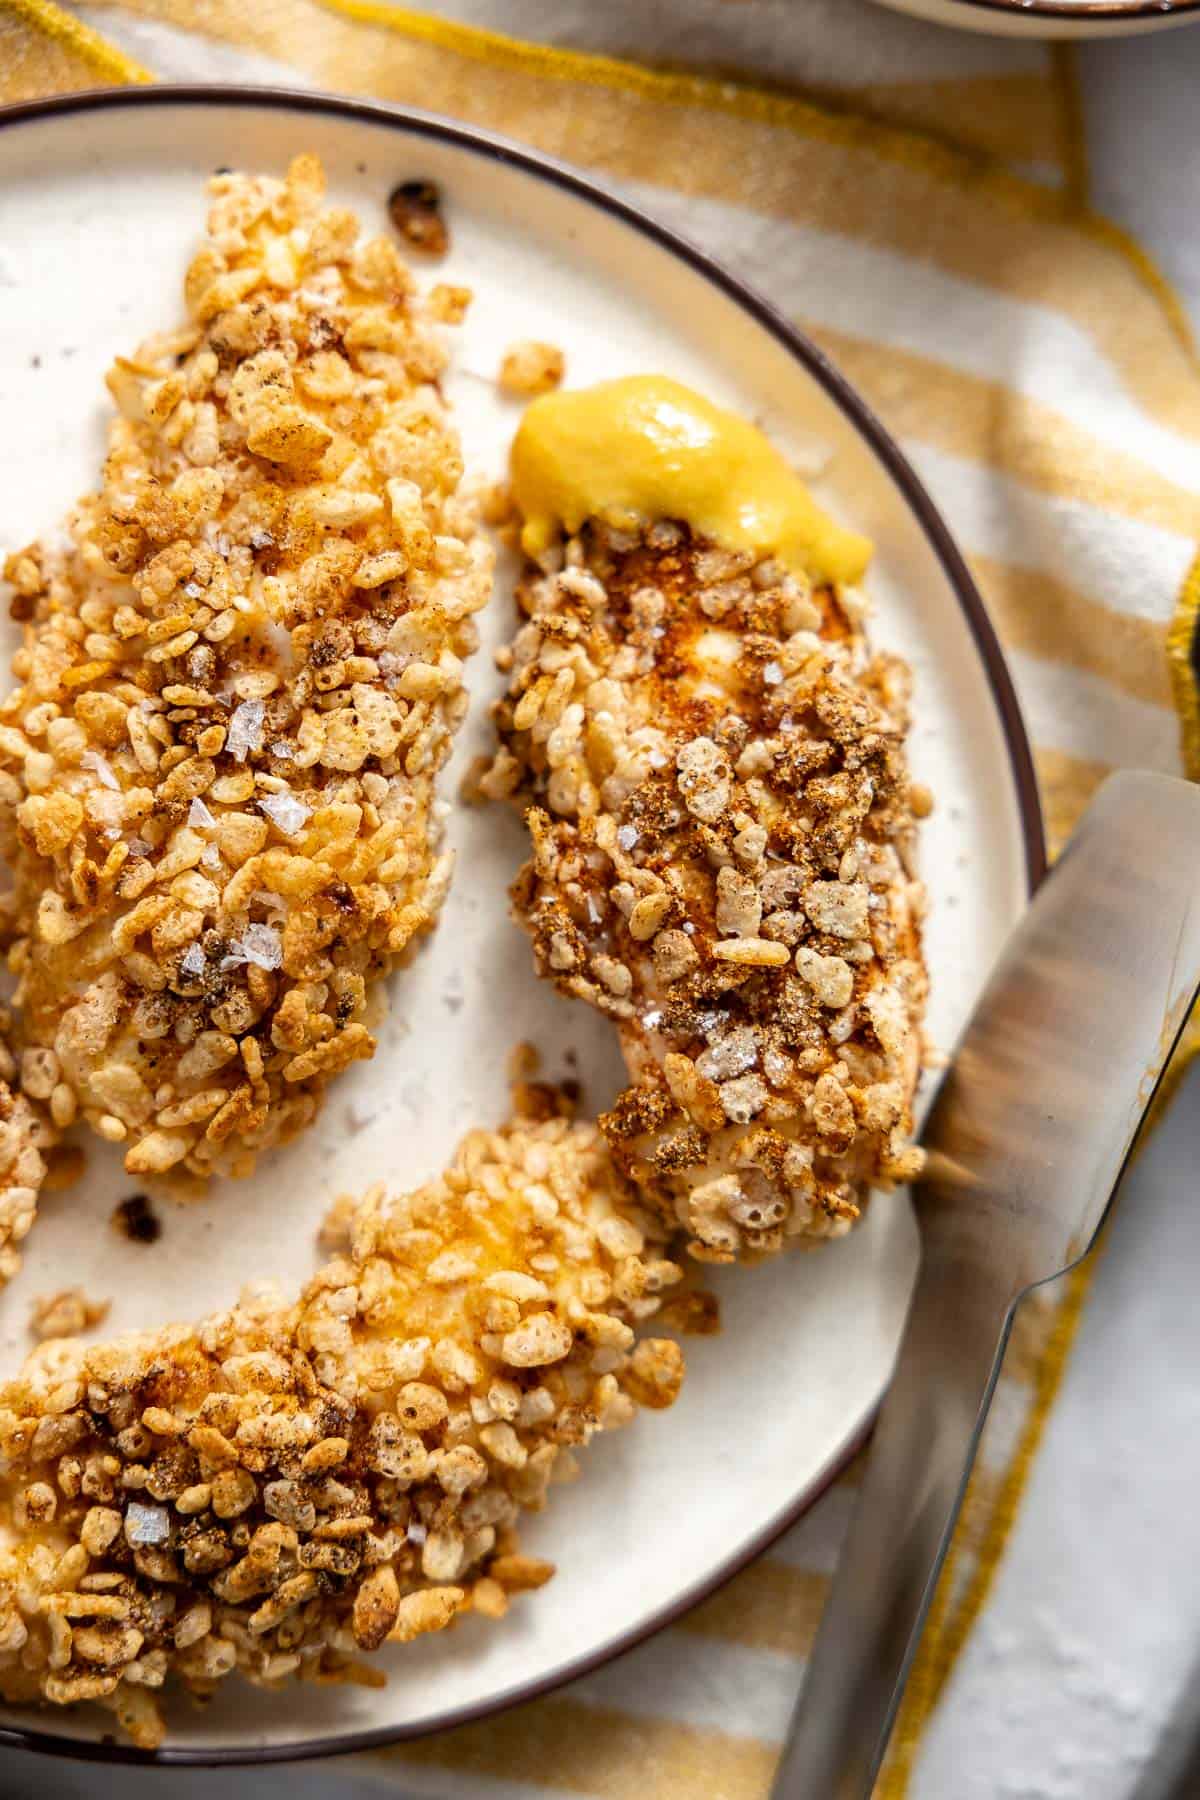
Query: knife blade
(1026, 1142)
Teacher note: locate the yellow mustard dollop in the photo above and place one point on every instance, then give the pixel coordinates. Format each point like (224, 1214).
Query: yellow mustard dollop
(644, 448)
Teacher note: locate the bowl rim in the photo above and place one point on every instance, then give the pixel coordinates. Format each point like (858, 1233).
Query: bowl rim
(1087, 12)
(1020, 759)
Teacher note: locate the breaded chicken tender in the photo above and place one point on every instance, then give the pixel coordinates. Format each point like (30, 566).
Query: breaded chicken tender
(286, 1486)
(723, 835)
(238, 681)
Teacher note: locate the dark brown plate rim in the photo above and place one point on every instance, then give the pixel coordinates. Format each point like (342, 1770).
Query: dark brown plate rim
(1091, 12)
(992, 657)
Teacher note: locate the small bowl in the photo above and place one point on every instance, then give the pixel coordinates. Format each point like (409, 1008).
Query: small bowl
(1054, 18)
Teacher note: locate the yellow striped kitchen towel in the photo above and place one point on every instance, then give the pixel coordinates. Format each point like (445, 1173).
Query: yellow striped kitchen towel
(915, 200)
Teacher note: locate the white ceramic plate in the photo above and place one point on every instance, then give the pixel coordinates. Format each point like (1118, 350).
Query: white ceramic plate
(1054, 18)
(101, 200)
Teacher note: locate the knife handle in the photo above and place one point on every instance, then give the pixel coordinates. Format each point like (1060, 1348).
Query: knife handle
(902, 1524)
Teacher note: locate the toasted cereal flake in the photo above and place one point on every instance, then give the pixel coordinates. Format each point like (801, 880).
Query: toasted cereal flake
(531, 368)
(282, 1487)
(837, 907)
(415, 211)
(711, 763)
(65, 1314)
(25, 1131)
(758, 953)
(280, 512)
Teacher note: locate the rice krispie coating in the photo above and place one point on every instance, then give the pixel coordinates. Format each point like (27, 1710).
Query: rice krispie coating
(723, 833)
(284, 1487)
(24, 1134)
(239, 679)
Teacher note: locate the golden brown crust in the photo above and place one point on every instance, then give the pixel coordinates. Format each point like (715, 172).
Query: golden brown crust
(285, 1487)
(237, 684)
(26, 1139)
(723, 836)
(24, 1136)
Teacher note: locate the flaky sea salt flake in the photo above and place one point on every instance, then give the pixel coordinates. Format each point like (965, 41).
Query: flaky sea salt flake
(245, 729)
(261, 945)
(285, 811)
(146, 1524)
(101, 768)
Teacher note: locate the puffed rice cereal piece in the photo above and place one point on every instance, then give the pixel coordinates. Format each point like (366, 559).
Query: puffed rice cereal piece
(24, 1134)
(531, 368)
(68, 1313)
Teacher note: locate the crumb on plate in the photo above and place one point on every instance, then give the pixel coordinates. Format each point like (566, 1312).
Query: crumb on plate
(531, 367)
(135, 1218)
(66, 1314)
(415, 208)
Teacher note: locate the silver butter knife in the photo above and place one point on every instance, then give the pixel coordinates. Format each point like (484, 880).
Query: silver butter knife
(1026, 1141)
